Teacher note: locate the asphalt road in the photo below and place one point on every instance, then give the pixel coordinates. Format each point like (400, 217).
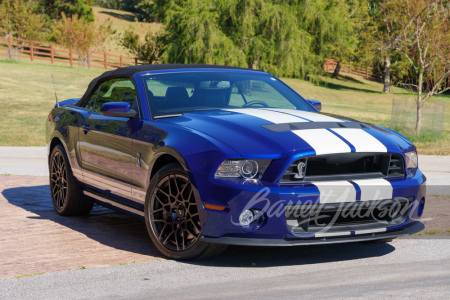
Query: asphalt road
(405, 268)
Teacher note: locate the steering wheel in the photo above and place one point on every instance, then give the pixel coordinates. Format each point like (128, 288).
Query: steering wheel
(255, 102)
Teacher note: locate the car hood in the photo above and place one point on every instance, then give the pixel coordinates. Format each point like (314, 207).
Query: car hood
(272, 133)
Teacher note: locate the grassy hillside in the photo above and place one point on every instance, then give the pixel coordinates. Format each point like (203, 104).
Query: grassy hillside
(26, 97)
(121, 20)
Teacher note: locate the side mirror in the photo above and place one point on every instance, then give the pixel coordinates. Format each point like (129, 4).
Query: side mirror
(117, 109)
(317, 105)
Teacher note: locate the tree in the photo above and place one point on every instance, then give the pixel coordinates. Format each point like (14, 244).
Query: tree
(17, 19)
(426, 46)
(149, 50)
(192, 35)
(284, 37)
(82, 35)
(267, 33)
(54, 9)
(381, 40)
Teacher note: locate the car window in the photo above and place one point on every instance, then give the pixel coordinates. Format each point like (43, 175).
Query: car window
(181, 92)
(159, 88)
(114, 90)
(255, 90)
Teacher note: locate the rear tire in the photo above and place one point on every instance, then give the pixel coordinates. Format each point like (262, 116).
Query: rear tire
(172, 217)
(64, 189)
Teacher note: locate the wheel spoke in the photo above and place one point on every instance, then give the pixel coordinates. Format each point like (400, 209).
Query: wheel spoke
(162, 191)
(176, 184)
(160, 201)
(158, 220)
(158, 210)
(176, 238)
(162, 231)
(167, 238)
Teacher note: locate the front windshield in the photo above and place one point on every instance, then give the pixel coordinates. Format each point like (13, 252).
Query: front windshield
(179, 93)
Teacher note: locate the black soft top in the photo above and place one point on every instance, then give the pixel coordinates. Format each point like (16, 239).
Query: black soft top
(130, 71)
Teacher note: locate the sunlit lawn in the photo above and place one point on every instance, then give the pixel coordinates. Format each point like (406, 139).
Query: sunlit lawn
(121, 21)
(26, 97)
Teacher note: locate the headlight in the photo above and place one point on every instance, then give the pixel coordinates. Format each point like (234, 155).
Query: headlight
(411, 163)
(247, 169)
(411, 160)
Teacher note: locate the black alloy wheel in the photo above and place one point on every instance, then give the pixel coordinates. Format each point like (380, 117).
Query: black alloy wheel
(64, 189)
(174, 213)
(172, 216)
(58, 181)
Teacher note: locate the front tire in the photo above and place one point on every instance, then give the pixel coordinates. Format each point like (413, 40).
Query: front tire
(64, 189)
(172, 217)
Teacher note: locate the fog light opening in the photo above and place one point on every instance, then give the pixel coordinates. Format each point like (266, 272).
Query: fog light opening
(252, 219)
(421, 207)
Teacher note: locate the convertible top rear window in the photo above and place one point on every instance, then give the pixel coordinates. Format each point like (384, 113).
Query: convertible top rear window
(178, 93)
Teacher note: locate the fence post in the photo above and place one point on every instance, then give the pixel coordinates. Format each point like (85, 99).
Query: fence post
(121, 61)
(9, 54)
(367, 72)
(51, 53)
(32, 51)
(70, 57)
(135, 61)
(105, 59)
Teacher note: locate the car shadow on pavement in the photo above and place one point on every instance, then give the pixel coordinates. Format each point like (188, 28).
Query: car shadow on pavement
(129, 234)
(102, 225)
(296, 255)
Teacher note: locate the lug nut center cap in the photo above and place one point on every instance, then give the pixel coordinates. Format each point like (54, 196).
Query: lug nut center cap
(180, 211)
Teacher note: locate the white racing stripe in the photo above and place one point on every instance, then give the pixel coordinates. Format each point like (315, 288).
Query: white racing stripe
(374, 189)
(346, 233)
(362, 140)
(374, 230)
(323, 141)
(335, 191)
(327, 234)
(271, 116)
(315, 117)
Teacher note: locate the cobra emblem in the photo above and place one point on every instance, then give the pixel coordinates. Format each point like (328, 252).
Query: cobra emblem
(301, 170)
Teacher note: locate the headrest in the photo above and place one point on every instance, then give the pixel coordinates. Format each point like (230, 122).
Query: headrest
(176, 96)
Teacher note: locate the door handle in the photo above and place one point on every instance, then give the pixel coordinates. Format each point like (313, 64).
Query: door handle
(86, 128)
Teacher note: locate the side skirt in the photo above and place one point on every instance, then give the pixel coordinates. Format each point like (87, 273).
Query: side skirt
(114, 205)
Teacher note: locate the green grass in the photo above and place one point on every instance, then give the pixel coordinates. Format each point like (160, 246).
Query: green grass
(121, 21)
(26, 97)
(28, 275)
(436, 231)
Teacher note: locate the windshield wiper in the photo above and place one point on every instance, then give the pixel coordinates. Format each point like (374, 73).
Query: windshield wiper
(167, 116)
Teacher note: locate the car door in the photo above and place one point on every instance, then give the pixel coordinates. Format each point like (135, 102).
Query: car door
(105, 143)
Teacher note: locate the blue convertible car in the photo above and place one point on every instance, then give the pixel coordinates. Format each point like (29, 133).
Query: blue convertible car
(211, 156)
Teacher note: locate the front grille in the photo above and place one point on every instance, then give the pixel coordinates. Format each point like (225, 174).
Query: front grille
(338, 217)
(345, 166)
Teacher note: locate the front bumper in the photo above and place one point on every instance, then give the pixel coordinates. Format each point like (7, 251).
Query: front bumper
(223, 226)
(415, 227)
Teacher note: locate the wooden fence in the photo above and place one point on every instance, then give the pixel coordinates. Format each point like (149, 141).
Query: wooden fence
(366, 72)
(19, 49)
(13, 48)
